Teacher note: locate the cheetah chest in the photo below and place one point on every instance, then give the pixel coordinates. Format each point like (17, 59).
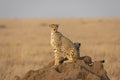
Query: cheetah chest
(55, 40)
(52, 39)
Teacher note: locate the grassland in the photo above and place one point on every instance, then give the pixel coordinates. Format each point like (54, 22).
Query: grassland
(25, 43)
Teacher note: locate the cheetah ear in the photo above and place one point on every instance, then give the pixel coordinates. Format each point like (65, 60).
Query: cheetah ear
(79, 44)
(57, 25)
(50, 25)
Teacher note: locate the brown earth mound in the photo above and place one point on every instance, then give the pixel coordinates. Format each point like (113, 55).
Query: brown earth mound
(83, 69)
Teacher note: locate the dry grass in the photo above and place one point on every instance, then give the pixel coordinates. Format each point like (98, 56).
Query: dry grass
(24, 43)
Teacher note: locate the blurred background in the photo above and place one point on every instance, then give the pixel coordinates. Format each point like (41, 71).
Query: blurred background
(25, 35)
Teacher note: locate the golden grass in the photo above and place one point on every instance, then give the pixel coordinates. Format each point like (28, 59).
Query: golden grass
(24, 43)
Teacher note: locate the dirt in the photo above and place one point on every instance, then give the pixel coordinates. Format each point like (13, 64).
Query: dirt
(82, 69)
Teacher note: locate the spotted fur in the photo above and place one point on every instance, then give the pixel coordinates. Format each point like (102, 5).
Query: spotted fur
(62, 46)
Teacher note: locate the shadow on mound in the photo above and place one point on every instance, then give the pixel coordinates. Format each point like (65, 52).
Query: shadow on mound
(82, 69)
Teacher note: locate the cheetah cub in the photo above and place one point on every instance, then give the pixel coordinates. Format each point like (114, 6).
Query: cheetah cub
(62, 46)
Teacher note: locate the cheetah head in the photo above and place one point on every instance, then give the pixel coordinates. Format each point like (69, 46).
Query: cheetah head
(77, 45)
(54, 27)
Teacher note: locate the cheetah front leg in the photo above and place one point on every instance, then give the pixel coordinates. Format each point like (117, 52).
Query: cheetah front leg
(57, 56)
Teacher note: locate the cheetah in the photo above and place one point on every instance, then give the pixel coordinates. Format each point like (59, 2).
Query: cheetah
(62, 46)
